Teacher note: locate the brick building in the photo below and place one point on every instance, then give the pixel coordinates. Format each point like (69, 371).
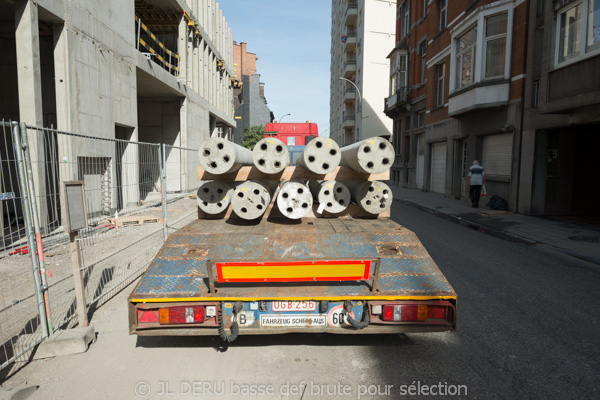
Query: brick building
(456, 84)
(249, 99)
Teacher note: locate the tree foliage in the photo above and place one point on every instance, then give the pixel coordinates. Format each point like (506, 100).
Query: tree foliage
(252, 134)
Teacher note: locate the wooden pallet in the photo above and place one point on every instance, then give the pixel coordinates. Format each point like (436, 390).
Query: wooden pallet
(135, 220)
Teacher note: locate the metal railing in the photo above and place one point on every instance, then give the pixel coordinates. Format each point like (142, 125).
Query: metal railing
(166, 58)
(135, 194)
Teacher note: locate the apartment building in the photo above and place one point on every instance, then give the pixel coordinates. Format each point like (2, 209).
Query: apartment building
(558, 173)
(456, 86)
(362, 32)
(154, 71)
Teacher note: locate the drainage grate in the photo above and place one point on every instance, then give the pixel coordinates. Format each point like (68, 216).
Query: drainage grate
(587, 239)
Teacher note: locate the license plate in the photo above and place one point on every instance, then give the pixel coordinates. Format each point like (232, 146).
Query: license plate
(294, 306)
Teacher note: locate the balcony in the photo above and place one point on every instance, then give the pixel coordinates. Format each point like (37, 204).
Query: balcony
(349, 121)
(351, 14)
(350, 96)
(350, 42)
(349, 69)
(397, 103)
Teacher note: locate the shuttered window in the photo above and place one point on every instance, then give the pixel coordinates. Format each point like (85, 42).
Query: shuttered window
(497, 154)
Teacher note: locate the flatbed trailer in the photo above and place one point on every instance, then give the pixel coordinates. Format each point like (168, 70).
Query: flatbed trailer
(337, 275)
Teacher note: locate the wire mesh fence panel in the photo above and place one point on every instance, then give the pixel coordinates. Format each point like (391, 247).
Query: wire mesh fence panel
(121, 180)
(124, 207)
(181, 184)
(19, 319)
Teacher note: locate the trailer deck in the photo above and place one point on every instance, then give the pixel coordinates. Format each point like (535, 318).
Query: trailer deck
(179, 272)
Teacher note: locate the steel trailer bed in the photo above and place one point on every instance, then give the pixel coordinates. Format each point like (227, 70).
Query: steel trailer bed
(401, 273)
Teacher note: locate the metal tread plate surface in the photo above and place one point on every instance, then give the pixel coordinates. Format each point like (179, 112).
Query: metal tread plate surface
(179, 270)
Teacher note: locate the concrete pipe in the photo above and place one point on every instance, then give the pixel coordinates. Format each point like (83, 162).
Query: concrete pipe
(271, 155)
(370, 156)
(220, 156)
(250, 199)
(214, 196)
(374, 197)
(294, 200)
(320, 156)
(333, 196)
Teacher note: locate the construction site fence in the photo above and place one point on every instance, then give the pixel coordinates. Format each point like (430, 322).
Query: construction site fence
(135, 195)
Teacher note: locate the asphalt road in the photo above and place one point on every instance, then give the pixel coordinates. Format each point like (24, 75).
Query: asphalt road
(527, 328)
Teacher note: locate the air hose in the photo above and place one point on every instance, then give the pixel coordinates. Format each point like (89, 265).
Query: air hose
(235, 329)
(365, 316)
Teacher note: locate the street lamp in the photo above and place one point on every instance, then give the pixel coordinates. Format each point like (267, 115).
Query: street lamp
(283, 117)
(357, 90)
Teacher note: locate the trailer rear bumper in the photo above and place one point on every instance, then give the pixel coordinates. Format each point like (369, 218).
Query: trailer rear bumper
(266, 317)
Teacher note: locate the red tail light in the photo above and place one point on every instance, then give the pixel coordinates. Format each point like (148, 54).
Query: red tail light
(181, 315)
(409, 313)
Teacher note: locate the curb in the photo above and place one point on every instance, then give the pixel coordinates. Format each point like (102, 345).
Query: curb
(511, 237)
(471, 224)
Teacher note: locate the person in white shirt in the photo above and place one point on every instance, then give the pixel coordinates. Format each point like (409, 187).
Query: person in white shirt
(475, 181)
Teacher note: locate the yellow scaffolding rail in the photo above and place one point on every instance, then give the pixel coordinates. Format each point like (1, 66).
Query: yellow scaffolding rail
(169, 64)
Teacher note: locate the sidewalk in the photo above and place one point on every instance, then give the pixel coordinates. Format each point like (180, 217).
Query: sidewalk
(565, 237)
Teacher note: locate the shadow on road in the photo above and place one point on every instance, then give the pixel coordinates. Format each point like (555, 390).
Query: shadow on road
(290, 339)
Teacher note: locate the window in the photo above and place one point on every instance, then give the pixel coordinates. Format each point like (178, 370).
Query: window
(481, 50)
(405, 15)
(421, 119)
(569, 44)
(443, 14)
(402, 71)
(441, 73)
(424, 8)
(578, 30)
(495, 45)
(422, 52)
(465, 58)
(535, 98)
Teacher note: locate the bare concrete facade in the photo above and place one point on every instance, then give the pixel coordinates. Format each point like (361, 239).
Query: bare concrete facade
(558, 168)
(87, 67)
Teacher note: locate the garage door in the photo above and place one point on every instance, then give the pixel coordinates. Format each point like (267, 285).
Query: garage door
(438, 167)
(496, 157)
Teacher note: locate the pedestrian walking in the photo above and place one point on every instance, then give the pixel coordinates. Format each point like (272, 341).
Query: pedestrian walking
(475, 181)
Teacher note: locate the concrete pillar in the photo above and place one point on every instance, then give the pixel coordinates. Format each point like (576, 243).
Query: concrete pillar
(130, 172)
(28, 60)
(182, 45)
(201, 71)
(29, 76)
(196, 63)
(526, 172)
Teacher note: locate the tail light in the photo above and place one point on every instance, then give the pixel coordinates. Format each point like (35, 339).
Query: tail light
(404, 313)
(181, 315)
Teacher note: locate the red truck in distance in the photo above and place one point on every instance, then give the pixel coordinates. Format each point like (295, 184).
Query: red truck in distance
(292, 133)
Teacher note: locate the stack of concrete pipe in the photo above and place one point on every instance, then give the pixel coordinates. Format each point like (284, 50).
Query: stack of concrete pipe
(250, 199)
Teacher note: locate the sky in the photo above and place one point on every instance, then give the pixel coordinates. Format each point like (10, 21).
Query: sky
(292, 41)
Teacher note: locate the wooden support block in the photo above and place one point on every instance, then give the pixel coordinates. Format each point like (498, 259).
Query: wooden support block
(291, 173)
(135, 220)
